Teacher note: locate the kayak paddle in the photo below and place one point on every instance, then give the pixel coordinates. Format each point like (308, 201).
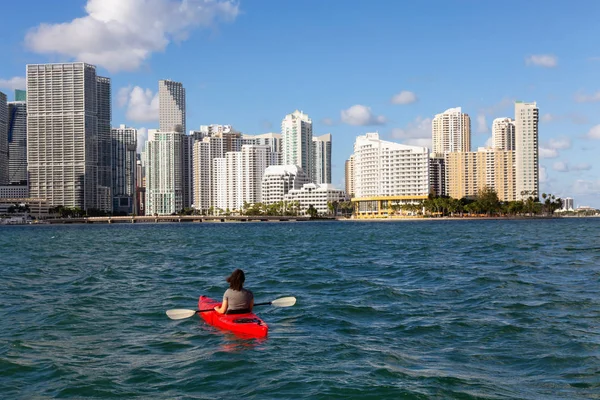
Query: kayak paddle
(181, 313)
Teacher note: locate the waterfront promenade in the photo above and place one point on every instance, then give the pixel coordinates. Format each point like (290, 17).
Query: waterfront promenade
(174, 218)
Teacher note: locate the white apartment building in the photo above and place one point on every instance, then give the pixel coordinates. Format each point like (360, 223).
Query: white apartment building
(124, 168)
(4, 176)
(349, 171)
(296, 134)
(387, 173)
(319, 196)
(527, 150)
(278, 180)
(503, 134)
(567, 204)
(272, 140)
(321, 155)
(203, 172)
(66, 119)
(219, 186)
(451, 131)
(245, 170)
(17, 142)
(164, 187)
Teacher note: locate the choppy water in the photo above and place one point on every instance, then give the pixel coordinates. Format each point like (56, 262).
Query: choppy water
(415, 310)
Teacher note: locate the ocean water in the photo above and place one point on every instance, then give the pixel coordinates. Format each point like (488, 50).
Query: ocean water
(411, 310)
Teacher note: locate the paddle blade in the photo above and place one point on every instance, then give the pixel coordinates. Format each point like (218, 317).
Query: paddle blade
(180, 313)
(284, 302)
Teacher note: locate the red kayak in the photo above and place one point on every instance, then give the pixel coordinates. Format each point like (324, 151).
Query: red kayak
(247, 324)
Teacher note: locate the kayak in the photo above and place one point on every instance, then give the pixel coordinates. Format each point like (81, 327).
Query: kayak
(247, 324)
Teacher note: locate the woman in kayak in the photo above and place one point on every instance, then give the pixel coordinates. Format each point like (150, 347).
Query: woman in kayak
(236, 299)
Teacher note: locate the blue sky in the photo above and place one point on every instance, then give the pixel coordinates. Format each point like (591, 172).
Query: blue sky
(352, 66)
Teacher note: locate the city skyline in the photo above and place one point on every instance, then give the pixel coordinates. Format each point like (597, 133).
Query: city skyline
(335, 83)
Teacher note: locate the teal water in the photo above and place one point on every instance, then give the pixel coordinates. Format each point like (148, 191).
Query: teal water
(413, 310)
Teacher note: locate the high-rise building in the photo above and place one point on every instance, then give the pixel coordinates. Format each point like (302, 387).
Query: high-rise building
(164, 188)
(171, 105)
(3, 140)
(527, 150)
(470, 172)
(296, 134)
(20, 95)
(437, 175)
(349, 171)
(451, 131)
(567, 204)
(105, 197)
(317, 196)
(17, 142)
(66, 110)
(503, 134)
(272, 140)
(388, 174)
(278, 180)
(124, 168)
(321, 151)
(172, 118)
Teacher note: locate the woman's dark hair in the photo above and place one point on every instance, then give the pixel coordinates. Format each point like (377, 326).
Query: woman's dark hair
(236, 279)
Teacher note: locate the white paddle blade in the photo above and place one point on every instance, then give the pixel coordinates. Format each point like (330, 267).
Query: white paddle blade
(180, 313)
(284, 302)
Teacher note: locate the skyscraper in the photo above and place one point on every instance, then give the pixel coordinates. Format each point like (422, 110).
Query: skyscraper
(321, 151)
(296, 134)
(503, 134)
(451, 131)
(17, 142)
(3, 140)
(171, 104)
(172, 118)
(163, 172)
(527, 150)
(349, 171)
(105, 197)
(124, 168)
(63, 113)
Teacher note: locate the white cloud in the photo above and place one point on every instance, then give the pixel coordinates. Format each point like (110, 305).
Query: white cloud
(549, 118)
(581, 167)
(17, 82)
(481, 123)
(404, 97)
(585, 98)
(327, 121)
(573, 117)
(594, 133)
(142, 138)
(585, 187)
(560, 143)
(560, 166)
(543, 175)
(121, 35)
(416, 133)
(142, 105)
(361, 115)
(489, 142)
(542, 60)
(546, 152)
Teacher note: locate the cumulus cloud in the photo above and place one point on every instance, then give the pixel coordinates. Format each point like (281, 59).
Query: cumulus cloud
(362, 116)
(416, 133)
(560, 166)
(587, 98)
(542, 60)
(120, 35)
(142, 104)
(404, 97)
(594, 133)
(327, 121)
(543, 175)
(17, 82)
(482, 126)
(142, 138)
(546, 152)
(586, 187)
(560, 143)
